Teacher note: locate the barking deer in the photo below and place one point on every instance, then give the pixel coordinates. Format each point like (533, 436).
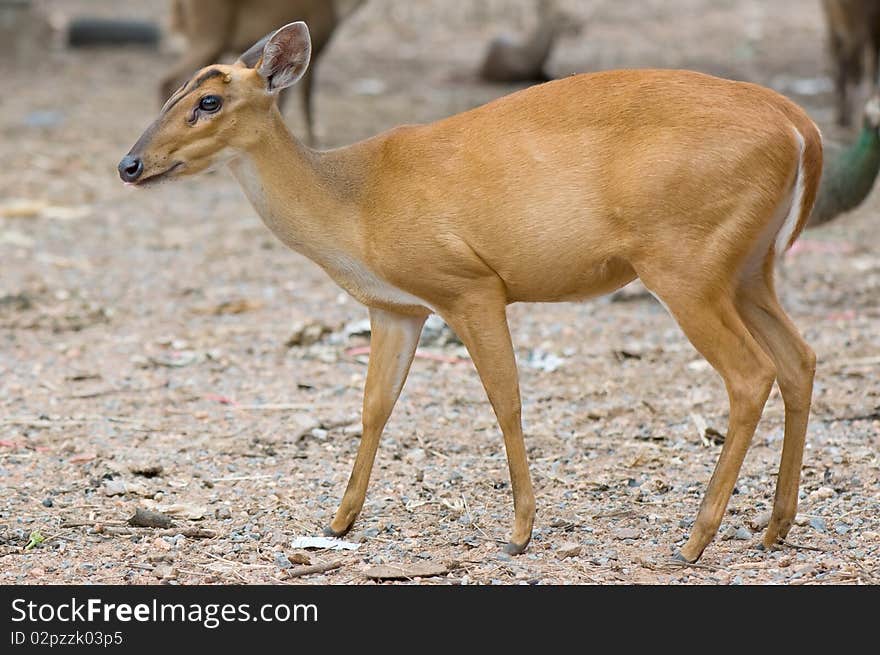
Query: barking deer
(559, 192)
(215, 27)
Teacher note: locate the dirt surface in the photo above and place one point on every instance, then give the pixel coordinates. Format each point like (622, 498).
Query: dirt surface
(144, 359)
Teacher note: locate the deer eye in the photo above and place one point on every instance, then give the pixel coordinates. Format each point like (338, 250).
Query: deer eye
(210, 104)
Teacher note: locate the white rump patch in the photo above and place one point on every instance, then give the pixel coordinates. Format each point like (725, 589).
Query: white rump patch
(783, 238)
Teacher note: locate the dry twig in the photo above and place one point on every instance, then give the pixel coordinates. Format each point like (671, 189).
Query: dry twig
(316, 568)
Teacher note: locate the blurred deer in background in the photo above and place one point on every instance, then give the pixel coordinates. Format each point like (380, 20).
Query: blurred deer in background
(854, 44)
(510, 59)
(564, 191)
(216, 27)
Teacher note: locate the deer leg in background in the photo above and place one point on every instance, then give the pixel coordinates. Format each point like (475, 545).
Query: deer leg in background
(206, 25)
(307, 106)
(872, 65)
(841, 82)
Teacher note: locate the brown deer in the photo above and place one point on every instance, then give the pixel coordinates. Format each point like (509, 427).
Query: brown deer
(215, 27)
(854, 44)
(560, 192)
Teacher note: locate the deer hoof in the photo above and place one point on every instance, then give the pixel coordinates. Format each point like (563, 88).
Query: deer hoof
(336, 534)
(515, 549)
(678, 557)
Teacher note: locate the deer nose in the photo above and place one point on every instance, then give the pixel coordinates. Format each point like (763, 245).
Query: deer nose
(130, 168)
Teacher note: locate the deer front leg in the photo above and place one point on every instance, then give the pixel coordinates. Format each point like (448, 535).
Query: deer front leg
(393, 342)
(482, 327)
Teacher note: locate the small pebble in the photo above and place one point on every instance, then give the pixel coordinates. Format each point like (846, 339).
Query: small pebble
(47, 502)
(729, 533)
(818, 524)
(164, 572)
(627, 533)
(161, 544)
(742, 534)
(282, 561)
(353, 430)
(760, 521)
(568, 549)
(416, 455)
(822, 493)
(114, 487)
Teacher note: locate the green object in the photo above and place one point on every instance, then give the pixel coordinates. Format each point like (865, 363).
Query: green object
(35, 540)
(848, 176)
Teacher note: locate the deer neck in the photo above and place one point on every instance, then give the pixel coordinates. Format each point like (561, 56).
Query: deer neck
(306, 198)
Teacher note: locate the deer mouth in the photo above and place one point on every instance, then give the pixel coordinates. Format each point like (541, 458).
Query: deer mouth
(158, 177)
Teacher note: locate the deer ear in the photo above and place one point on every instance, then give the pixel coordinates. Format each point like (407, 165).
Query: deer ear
(285, 56)
(252, 57)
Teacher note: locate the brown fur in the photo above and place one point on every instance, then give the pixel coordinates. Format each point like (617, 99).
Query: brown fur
(854, 45)
(559, 192)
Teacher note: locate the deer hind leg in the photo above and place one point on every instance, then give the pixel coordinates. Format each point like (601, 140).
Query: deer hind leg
(710, 320)
(795, 365)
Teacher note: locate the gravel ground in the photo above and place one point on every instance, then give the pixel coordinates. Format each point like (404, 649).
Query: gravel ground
(154, 355)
